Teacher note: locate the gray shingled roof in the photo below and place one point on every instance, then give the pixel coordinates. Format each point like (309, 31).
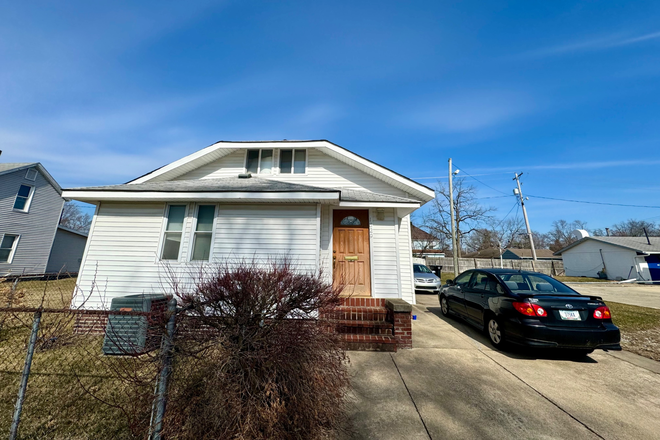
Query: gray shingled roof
(226, 184)
(253, 184)
(638, 244)
(4, 167)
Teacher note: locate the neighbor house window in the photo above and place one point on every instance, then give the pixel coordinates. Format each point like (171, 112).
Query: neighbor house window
(203, 232)
(23, 198)
(31, 174)
(293, 161)
(8, 247)
(259, 161)
(173, 232)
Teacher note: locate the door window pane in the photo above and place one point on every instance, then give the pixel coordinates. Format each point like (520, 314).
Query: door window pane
(252, 162)
(286, 161)
(266, 162)
(299, 164)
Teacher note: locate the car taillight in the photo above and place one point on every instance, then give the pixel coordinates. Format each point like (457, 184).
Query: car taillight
(530, 309)
(602, 313)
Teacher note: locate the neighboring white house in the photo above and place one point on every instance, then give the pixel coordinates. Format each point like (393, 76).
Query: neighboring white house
(619, 257)
(30, 207)
(318, 204)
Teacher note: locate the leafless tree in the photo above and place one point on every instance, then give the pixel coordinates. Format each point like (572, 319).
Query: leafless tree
(561, 234)
(634, 228)
(74, 218)
(469, 213)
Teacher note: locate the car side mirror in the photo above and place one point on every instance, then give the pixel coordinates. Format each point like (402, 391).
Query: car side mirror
(450, 282)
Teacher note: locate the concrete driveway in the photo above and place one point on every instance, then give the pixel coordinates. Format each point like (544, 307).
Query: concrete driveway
(453, 385)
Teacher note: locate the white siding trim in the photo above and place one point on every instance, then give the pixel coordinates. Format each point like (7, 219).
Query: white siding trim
(122, 196)
(378, 205)
(318, 237)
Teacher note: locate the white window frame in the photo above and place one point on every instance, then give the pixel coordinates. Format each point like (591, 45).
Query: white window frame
(293, 161)
(272, 167)
(34, 176)
(14, 246)
(163, 231)
(28, 202)
(193, 232)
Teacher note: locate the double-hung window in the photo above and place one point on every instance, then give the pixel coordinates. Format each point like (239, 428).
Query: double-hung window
(23, 198)
(173, 232)
(8, 247)
(259, 161)
(203, 232)
(293, 161)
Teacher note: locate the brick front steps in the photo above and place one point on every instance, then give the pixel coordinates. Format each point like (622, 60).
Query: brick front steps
(373, 324)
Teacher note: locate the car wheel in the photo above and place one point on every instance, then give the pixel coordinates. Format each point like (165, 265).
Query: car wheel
(495, 332)
(444, 305)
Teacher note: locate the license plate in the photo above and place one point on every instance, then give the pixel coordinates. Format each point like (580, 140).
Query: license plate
(569, 315)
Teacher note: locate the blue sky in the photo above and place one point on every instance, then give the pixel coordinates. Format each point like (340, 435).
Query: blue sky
(566, 92)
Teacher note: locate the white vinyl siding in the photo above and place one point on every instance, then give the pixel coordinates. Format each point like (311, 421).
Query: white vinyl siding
(322, 171)
(262, 232)
(326, 244)
(36, 227)
(384, 265)
(122, 254)
(405, 260)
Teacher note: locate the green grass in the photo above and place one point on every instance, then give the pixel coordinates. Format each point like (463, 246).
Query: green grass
(581, 280)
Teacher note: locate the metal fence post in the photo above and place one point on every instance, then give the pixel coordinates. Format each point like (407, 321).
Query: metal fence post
(26, 374)
(161, 392)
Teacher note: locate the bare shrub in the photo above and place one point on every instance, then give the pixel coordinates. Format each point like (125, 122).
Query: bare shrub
(253, 362)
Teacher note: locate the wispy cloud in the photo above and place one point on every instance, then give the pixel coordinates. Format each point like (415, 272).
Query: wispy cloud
(469, 112)
(573, 165)
(593, 44)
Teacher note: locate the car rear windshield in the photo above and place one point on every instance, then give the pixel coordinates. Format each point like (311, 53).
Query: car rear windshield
(420, 268)
(537, 284)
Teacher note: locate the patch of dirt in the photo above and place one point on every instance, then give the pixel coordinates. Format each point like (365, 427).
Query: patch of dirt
(642, 342)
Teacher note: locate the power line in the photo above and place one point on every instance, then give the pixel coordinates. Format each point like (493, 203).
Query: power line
(595, 203)
(485, 184)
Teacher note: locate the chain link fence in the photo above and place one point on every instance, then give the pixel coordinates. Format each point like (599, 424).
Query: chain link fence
(75, 374)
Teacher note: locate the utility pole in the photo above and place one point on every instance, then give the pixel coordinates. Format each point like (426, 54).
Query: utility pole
(454, 247)
(522, 202)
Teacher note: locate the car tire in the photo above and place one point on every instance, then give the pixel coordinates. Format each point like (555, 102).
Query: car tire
(444, 305)
(495, 332)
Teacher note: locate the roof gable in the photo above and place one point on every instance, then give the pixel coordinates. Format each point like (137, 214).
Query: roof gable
(6, 168)
(222, 148)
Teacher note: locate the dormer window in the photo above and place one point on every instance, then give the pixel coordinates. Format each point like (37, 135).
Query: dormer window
(259, 162)
(23, 198)
(293, 161)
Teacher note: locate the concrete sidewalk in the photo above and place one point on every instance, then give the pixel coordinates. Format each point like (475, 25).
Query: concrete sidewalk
(633, 294)
(452, 385)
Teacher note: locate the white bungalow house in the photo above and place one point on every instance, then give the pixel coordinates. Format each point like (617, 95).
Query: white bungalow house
(320, 205)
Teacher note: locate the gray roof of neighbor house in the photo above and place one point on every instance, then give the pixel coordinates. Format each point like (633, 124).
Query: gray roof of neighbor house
(420, 234)
(527, 253)
(6, 168)
(637, 244)
(251, 184)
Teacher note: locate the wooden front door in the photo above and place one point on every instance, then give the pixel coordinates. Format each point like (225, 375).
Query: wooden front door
(350, 251)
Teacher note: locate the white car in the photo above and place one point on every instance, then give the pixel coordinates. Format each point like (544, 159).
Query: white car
(425, 279)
